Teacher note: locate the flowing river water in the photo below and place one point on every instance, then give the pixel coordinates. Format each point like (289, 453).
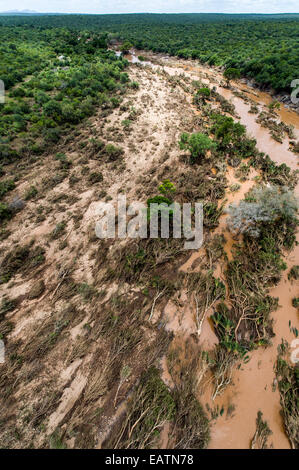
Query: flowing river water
(253, 387)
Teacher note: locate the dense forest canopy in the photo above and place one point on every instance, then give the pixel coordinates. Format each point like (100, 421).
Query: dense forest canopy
(263, 47)
(54, 78)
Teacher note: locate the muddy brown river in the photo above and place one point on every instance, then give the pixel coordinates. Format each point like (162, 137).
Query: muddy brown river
(252, 389)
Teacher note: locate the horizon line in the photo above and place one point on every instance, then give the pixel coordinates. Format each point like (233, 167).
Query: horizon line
(32, 13)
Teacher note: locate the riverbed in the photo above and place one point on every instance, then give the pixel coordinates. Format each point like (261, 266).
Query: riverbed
(253, 386)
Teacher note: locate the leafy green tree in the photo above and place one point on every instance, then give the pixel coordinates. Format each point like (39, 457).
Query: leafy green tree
(198, 144)
(231, 73)
(227, 131)
(125, 47)
(202, 95)
(204, 92)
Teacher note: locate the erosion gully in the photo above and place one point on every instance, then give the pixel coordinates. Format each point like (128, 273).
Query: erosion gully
(252, 388)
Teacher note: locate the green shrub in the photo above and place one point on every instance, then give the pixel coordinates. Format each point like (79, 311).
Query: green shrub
(64, 162)
(126, 123)
(167, 189)
(31, 193)
(231, 73)
(113, 152)
(202, 95)
(158, 200)
(134, 85)
(7, 305)
(197, 144)
(20, 258)
(58, 231)
(53, 109)
(95, 177)
(96, 146)
(6, 186)
(52, 135)
(294, 273)
(126, 46)
(227, 131)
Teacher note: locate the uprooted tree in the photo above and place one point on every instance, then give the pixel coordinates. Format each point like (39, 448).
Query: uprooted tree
(264, 206)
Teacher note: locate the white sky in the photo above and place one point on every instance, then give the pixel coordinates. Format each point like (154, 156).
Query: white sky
(153, 6)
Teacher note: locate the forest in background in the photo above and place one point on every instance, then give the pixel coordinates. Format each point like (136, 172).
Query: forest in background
(264, 48)
(53, 81)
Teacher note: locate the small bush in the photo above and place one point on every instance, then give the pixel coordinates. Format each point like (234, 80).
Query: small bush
(202, 95)
(113, 152)
(31, 193)
(231, 73)
(5, 212)
(134, 85)
(58, 231)
(7, 305)
(158, 200)
(5, 187)
(294, 273)
(64, 162)
(86, 291)
(126, 46)
(96, 146)
(95, 177)
(167, 189)
(21, 258)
